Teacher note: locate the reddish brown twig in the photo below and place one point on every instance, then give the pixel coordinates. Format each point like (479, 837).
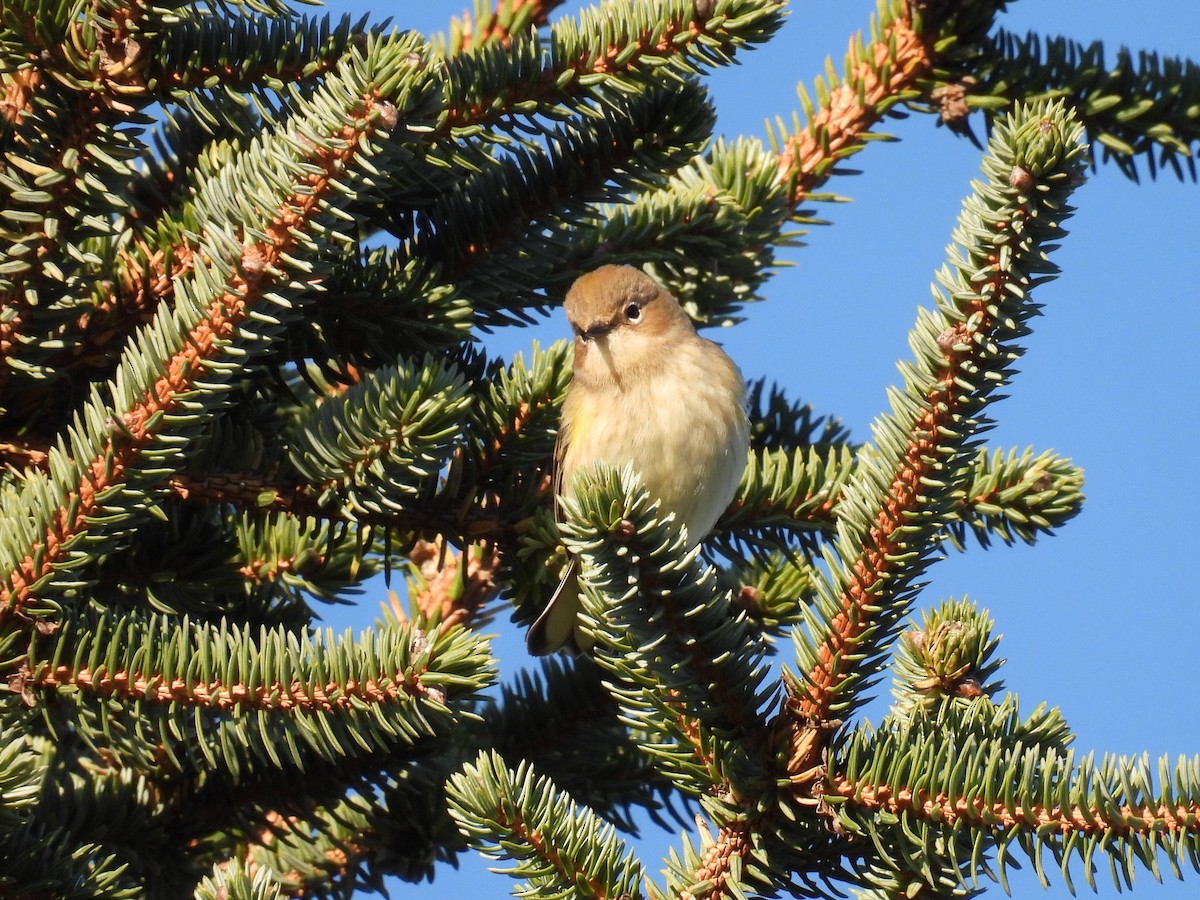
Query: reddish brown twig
(947, 810)
(469, 35)
(889, 67)
(450, 595)
(134, 435)
(129, 686)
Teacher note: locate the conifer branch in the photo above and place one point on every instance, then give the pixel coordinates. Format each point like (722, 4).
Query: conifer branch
(454, 587)
(1010, 496)
(557, 846)
(1176, 821)
(220, 692)
(380, 444)
(66, 160)
(688, 669)
(246, 54)
(507, 19)
(529, 205)
(1145, 108)
(611, 39)
(129, 686)
(898, 502)
(566, 724)
(233, 311)
(713, 876)
(240, 879)
(342, 697)
(255, 492)
(579, 61)
(979, 771)
(878, 75)
(149, 68)
(317, 825)
(502, 472)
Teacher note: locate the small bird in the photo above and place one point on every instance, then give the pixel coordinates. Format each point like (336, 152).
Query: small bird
(647, 391)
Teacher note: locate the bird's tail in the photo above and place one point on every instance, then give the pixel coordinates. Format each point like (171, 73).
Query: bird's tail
(557, 628)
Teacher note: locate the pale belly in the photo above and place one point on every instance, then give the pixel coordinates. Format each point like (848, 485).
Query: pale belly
(689, 450)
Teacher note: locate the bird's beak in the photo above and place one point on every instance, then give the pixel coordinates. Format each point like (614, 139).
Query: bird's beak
(595, 330)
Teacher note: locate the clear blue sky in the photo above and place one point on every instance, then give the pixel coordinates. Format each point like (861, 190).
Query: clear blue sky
(1103, 619)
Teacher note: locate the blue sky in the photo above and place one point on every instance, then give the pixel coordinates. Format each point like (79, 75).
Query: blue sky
(1101, 620)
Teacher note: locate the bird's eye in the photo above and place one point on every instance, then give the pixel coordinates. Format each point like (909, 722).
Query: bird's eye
(633, 312)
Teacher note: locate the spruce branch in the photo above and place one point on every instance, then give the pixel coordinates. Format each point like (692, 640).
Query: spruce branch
(255, 55)
(904, 792)
(709, 232)
(779, 423)
(265, 575)
(556, 845)
(712, 871)
(22, 771)
(944, 690)
(18, 456)
(611, 38)
(44, 863)
(566, 725)
(878, 75)
(381, 444)
(338, 822)
(290, 558)
(347, 844)
(1017, 496)
(77, 82)
(383, 303)
(499, 22)
(236, 880)
(252, 491)
(506, 458)
(66, 168)
(604, 52)
(101, 831)
(453, 589)
(503, 232)
(687, 668)
(898, 502)
(231, 307)
(1142, 107)
(343, 697)
(948, 659)
(792, 494)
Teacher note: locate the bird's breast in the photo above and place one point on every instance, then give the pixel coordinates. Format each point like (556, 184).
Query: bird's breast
(684, 431)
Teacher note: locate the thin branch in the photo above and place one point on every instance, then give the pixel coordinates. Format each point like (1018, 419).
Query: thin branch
(451, 594)
(138, 428)
(130, 686)
(887, 69)
(498, 27)
(941, 808)
(251, 491)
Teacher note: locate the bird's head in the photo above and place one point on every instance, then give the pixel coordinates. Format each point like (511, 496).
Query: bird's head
(623, 321)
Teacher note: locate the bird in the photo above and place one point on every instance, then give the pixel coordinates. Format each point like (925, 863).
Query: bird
(646, 390)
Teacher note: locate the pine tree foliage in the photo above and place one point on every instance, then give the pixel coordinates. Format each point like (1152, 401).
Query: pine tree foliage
(487, 799)
(249, 263)
(1136, 109)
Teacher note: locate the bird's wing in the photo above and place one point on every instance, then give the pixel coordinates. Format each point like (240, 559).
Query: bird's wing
(556, 472)
(578, 417)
